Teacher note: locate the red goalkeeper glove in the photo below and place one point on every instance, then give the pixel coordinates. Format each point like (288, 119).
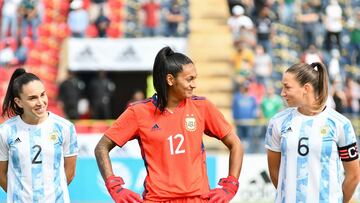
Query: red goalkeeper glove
(120, 194)
(230, 185)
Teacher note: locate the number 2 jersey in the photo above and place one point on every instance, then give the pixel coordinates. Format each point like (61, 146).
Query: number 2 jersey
(312, 148)
(171, 144)
(35, 155)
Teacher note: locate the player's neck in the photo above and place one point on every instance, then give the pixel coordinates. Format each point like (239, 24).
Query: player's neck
(311, 111)
(172, 104)
(33, 120)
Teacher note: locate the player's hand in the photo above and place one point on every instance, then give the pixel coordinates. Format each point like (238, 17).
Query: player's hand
(120, 194)
(229, 188)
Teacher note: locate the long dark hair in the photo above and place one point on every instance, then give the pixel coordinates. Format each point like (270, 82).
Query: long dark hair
(315, 74)
(166, 62)
(19, 78)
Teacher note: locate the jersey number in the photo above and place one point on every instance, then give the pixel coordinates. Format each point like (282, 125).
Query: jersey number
(178, 149)
(303, 149)
(36, 157)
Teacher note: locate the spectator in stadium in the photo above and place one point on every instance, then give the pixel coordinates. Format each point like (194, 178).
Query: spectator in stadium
(287, 12)
(101, 90)
(38, 149)
(9, 18)
(309, 19)
(354, 45)
(352, 92)
(78, 20)
(102, 24)
(22, 50)
(307, 141)
(30, 17)
(333, 26)
(338, 95)
(174, 16)
(96, 8)
(151, 10)
(169, 127)
(264, 29)
(239, 23)
(70, 92)
(7, 55)
(243, 59)
(311, 55)
(262, 65)
(271, 102)
(245, 111)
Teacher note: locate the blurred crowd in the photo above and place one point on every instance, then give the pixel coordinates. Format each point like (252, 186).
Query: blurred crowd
(21, 19)
(147, 18)
(19, 29)
(269, 36)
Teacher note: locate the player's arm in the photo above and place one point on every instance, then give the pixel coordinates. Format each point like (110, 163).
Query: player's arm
(236, 149)
(352, 177)
(102, 150)
(113, 183)
(3, 174)
(349, 156)
(230, 184)
(70, 166)
(274, 159)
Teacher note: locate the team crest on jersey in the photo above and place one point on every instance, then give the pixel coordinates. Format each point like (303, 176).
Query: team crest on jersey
(324, 130)
(190, 122)
(54, 137)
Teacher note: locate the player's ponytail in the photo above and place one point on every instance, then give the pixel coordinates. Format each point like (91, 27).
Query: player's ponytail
(19, 78)
(322, 90)
(166, 62)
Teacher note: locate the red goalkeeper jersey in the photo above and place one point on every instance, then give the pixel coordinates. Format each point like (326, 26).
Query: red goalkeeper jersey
(171, 144)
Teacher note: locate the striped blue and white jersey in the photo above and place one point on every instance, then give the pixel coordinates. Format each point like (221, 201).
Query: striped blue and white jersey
(310, 147)
(35, 155)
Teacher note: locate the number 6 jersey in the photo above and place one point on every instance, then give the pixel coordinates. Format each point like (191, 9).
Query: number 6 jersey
(171, 144)
(312, 148)
(35, 155)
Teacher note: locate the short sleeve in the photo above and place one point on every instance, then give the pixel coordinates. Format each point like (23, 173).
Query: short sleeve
(272, 137)
(347, 145)
(4, 149)
(70, 146)
(124, 128)
(346, 135)
(215, 123)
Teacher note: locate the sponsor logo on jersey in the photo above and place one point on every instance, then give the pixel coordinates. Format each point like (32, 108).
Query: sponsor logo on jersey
(190, 122)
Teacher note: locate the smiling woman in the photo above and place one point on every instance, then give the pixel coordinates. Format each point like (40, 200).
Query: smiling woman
(169, 128)
(38, 149)
(307, 142)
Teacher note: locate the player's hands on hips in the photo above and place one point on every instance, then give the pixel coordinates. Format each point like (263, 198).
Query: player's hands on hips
(229, 188)
(120, 194)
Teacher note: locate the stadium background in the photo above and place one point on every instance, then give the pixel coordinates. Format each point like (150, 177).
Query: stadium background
(126, 54)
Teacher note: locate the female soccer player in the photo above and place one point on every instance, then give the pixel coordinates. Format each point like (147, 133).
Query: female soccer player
(169, 127)
(307, 142)
(37, 148)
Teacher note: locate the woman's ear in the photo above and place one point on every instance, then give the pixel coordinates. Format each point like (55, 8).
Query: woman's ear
(18, 101)
(170, 79)
(308, 88)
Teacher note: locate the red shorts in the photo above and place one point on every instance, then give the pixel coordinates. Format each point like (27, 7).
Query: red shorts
(195, 199)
